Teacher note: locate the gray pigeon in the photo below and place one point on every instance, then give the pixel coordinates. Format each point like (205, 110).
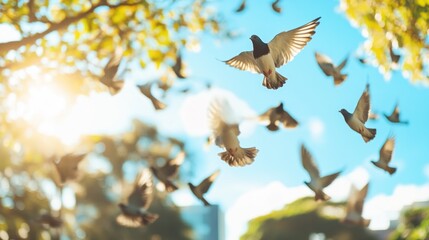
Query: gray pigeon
(277, 115)
(325, 63)
(355, 207)
(168, 171)
(394, 116)
(134, 213)
(265, 58)
(203, 187)
(226, 136)
(386, 152)
(317, 183)
(357, 119)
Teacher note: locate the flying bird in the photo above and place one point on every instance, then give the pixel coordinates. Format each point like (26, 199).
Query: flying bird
(372, 115)
(168, 171)
(146, 89)
(275, 6)
(241, 7)
(394, 116)
(317, 183)
(226, 136)
(386, 152)
(265, 58)
(355, 207)
(135, 212)
(277, 115)
(178, 67)
(357, 119)
(67, 166)
(110, 72)
(325, 63)
(203, 187)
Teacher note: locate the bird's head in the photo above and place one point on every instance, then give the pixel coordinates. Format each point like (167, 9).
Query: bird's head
(255, 38)
(345, 113)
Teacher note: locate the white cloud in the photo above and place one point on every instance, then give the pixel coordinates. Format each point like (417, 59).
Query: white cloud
(426, 171)
(316, 127)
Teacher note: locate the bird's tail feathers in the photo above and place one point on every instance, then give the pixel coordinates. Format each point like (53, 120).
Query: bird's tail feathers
(369, 135)
(243, 156)
(391, 170)
(338, 79)
(170, 186)
(320, 195)
(205, 202)
(278, 82)
(272, 126)
(148, 218)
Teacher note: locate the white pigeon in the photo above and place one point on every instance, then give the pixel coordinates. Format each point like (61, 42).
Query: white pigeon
(355, 207)
(265, 58)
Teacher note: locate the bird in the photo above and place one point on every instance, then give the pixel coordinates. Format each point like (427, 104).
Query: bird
(168, 171)
(146, 89)
(241, 7)
(386, 152)
(373, 115)
(135, 212)
(325, 63)
(275, 6)
(317, 183)
(178, 67)
(110, 71)
(355, 207)
(265, 58)
(67, 166)
(277, 115)
(357, 119)
(394, 116)
(203, 187)
(226, 136)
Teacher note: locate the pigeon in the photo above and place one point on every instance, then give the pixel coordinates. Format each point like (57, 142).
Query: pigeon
(169, 170)
(226, 136)
(178, 67)
(394, 116)
(203, 187)
(394, 57)
(67, 166)
(265, 58)
(317, 183)
(146, 90)
(50, 220)
(386, 155)
(372, 115)
(110, 72)
(241, 7)
(134, 213)
(277, 115)
(325, 63)
(355, 206)
(357, 119)
(275, 6)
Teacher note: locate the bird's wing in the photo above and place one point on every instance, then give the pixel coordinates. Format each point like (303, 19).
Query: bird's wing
(342, 64)
(360, 198)
(363, 105)
(266, 115)
(244, 61)
(351, 200)
(286, 45)
(287, 120)
(387, 149)
(111, 69)
(326, 180)
(217, 124)
(146, 90)
(395, 113)
(308, 163)
(171, 167)
(142, 194)
(178, 67)
(325, 63)
(207, 182)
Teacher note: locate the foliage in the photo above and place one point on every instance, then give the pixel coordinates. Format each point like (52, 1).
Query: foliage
(403, 24)
(300, 219)
(414, 224)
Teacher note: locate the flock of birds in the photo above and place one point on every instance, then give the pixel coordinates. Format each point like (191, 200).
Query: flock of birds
(263, 59)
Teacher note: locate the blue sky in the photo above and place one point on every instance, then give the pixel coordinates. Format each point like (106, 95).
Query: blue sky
(309, 96)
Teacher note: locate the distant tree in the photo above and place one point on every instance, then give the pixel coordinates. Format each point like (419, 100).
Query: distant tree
(302, 218)
(414, 224)
(396, 33)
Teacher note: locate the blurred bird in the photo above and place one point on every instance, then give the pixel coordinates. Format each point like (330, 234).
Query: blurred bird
(265, 58)
(394, 116)
(325, 63)
(203, 187)
(394, 57)
(356, 121)
(50, 220)
(110, 72)
(134, 213)
(168, 171)
(362, 60)
(226, 136)
(67, 166)
(241, 7)
(277, 115)
(355, 207)
(146, 90)
(178, 67)
(275, 6)
(317, 183)
(386, 152)
(373, 115)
